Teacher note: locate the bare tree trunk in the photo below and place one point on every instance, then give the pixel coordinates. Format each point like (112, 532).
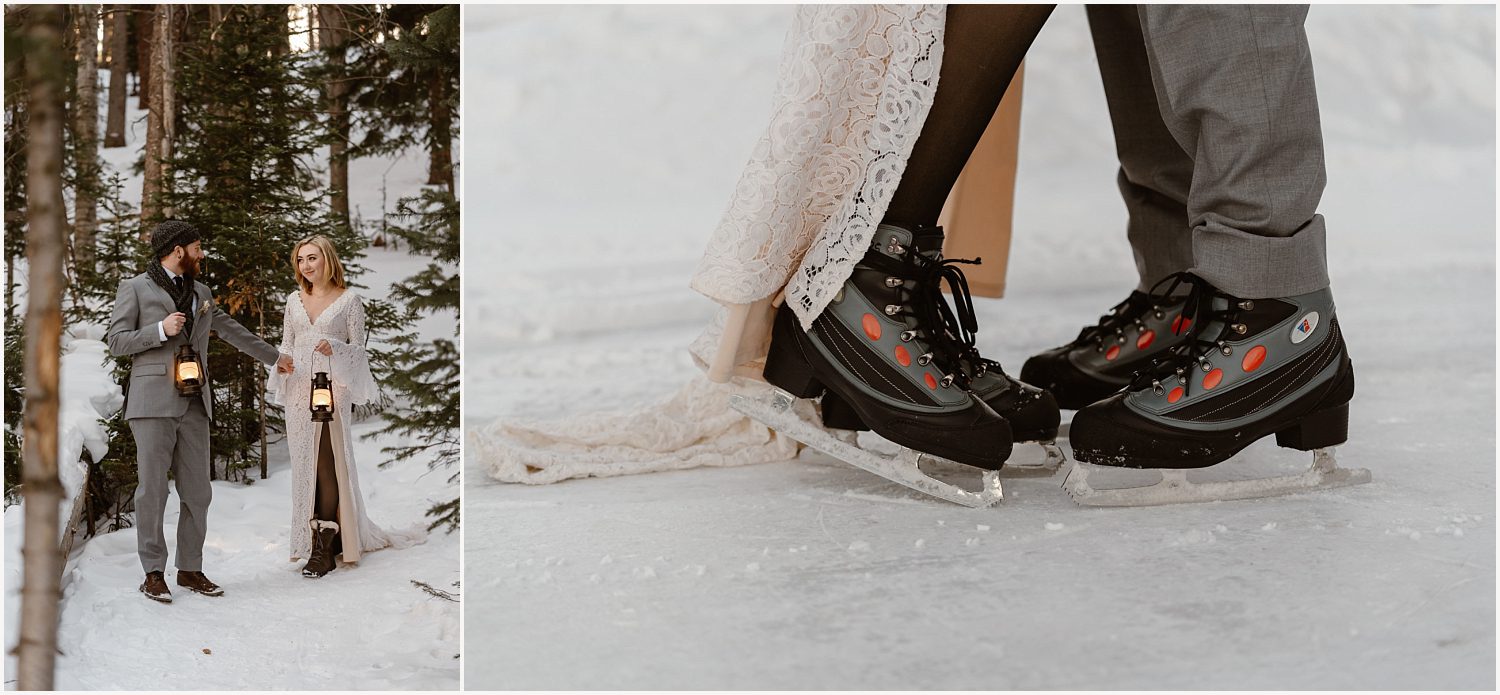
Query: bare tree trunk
(284, 44)
(333, 35)
(40, 592)
(145, 24)
(86, 119)
(119, 72)
(260, 391)
(440, 158)
(166, 75)
(107, 45)
(159, 121)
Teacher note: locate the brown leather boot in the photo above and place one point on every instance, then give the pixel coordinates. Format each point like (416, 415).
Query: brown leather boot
(195, 581)
(155, 587)
(322, 560)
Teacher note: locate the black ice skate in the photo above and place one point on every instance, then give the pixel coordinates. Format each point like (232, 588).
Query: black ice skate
(1103, 358)
(1247, 369)
(1031, 412)
(875, 349)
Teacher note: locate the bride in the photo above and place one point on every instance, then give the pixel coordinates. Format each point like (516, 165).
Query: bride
(324, 332)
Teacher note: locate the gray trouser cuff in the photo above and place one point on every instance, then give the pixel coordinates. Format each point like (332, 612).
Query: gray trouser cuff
(1252, 266)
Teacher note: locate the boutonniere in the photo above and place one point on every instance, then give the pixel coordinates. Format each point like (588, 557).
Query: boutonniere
(202, 307)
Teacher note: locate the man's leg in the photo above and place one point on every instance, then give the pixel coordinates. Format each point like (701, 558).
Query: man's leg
(1267, 356)
(1155, 172)
(1235, 87)
(191, 468)
(155, 437)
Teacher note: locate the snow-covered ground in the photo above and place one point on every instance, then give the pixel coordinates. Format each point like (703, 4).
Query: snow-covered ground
(366, 627)
(611, 140)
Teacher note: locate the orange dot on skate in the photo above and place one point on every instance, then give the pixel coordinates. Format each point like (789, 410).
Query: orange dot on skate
(902, 356)
(1175, 395)
(1180, 324)
(1254, 358)
(1213, 378)
(1112, 352)
(871, 326)
(931, 380)
(1144, 341)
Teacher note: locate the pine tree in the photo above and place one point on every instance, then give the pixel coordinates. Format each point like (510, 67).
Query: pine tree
(425, 372)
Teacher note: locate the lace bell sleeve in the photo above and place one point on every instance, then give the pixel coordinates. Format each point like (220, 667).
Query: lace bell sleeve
(276, 383)
(351, 359)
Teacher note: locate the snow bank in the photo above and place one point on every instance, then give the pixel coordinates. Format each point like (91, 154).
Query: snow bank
(87, 397)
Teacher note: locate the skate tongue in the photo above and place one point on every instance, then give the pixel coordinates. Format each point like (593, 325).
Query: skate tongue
(927, 241)
(1216, 328)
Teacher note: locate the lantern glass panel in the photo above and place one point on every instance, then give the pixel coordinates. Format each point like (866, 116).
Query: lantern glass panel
(188, 371)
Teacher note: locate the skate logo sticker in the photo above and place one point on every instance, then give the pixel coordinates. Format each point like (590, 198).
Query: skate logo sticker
(1304, 327)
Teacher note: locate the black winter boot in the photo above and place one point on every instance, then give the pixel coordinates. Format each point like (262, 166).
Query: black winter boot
(322, 561)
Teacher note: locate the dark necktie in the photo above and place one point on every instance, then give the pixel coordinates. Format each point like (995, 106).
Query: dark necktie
(178, 282)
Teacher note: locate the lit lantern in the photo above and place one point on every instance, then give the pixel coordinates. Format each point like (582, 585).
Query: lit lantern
(322, 398)
(189, 373)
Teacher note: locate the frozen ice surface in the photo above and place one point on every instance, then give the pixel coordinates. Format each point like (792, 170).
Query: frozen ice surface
(620, 133)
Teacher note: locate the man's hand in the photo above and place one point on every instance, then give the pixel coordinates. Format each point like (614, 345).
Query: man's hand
(172, 325)
(324, 348)
(284, 364)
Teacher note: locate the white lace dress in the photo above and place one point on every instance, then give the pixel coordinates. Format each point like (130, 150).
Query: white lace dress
(342, 324)
(854, 87)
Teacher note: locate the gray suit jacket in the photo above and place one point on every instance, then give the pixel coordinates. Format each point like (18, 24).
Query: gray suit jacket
(139, 306)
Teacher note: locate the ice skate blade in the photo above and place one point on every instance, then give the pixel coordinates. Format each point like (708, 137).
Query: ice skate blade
(774, 409)
(1052, 459)
(1175, 488)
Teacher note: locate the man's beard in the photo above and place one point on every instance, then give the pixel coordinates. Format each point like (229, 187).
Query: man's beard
(190, 266)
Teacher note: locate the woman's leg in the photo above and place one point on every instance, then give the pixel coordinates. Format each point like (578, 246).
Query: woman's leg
(326, 506)
(982, 47)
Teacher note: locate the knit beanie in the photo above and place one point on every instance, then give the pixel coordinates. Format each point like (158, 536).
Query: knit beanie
(172, 233)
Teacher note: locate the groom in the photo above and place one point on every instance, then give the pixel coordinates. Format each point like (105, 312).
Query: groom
(155, 313)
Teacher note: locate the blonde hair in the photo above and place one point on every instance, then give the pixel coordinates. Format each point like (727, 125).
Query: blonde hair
(330, 261)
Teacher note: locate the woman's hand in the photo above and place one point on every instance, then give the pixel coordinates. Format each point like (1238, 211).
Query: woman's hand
(324, 348)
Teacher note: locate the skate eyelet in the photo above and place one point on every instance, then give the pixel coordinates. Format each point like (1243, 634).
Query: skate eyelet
(925, 359)
(1225, 350)
(892, 309)
(1206, 365)
(906, 336)
(893, 282)
(895, 247)
(1157, 388)
(1159, 314)
(946, 381)
(1240, 328)
(1247, 305)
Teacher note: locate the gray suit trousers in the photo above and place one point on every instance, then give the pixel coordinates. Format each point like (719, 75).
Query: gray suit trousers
(178, 445)
(1216, 123)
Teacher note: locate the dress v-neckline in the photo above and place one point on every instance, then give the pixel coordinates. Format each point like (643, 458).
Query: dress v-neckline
(314, 321)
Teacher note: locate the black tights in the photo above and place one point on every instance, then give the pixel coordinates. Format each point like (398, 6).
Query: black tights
(326, 505)
(982, 47)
